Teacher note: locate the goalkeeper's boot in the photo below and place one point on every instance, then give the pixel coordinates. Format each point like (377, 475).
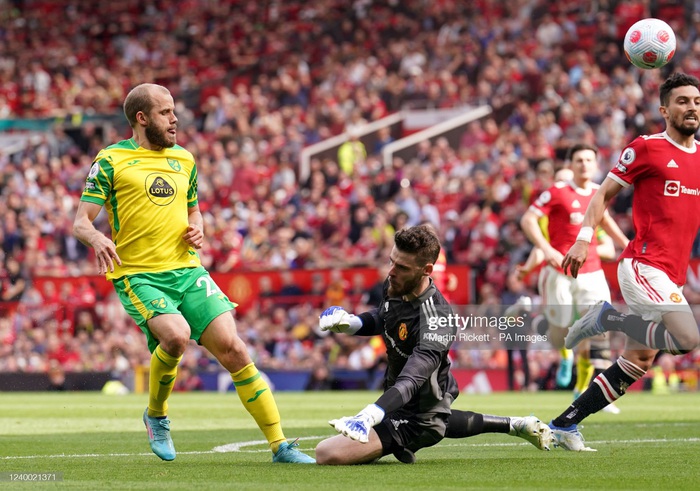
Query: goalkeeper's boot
(565, 371)
(288, 454)
(569, 438)
(405, 456)
(587, 326)
(533, 430)
(159, 436)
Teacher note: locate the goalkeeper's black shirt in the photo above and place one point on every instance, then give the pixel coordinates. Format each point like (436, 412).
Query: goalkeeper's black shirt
(418, 373)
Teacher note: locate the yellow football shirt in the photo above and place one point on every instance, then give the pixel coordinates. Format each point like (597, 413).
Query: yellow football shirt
(146, 194)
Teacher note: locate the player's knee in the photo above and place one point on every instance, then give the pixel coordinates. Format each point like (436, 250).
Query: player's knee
(641, 358)
(175, 344)
(328, 454)
(234, 353)
(683, 328)
(688, 340)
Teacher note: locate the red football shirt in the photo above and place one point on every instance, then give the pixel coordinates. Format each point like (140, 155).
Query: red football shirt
(665, 204)
(564, 204)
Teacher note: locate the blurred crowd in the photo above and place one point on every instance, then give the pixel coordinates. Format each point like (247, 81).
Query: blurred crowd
(255, 83)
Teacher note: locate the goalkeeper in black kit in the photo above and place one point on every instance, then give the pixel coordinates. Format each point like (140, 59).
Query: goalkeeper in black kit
(414, 411)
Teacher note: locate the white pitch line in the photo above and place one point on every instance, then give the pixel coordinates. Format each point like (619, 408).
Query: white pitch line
(91, 455)
(237, 447)
(230, 447)
(592, 442)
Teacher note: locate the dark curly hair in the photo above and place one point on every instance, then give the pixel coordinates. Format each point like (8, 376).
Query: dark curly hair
(420, 240)
(676, 80)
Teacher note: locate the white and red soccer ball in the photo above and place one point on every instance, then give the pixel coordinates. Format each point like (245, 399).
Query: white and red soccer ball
(650, 43)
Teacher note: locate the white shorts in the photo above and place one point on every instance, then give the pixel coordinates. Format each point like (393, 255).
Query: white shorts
(565, 298)
(649, 292)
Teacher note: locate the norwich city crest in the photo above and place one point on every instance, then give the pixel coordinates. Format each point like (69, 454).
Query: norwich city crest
(175, 164)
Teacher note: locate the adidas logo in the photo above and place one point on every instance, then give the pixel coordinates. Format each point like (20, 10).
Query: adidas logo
(672, 164)
(398, 422)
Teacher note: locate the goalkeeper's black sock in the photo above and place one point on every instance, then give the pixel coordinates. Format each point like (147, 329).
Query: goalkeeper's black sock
(651, 334)
(605, 389)
(463, 424)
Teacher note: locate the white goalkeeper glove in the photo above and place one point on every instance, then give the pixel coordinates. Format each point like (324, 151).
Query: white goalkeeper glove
(335, 319)
(357, 427)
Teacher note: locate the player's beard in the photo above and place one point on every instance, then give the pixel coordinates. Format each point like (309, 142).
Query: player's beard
(684, 129)
(159, 138)
(408, 286)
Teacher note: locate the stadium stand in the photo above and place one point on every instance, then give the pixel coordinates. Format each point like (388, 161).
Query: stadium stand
(257, 82)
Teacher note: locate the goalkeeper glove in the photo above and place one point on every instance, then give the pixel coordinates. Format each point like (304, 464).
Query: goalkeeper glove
(335, 319)
(357, 427)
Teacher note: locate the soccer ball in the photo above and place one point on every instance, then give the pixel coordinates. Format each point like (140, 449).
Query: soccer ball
(650, 43)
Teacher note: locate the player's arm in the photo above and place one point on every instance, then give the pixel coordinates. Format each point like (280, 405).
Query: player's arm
(85, 232)
(533, 260)
(420, 366)
(605, 248)
(613, 230)
(578, 252)
(336, 319)
(531, 228)
(194, 235)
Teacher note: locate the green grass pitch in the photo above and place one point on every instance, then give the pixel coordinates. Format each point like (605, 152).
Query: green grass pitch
(98, 442)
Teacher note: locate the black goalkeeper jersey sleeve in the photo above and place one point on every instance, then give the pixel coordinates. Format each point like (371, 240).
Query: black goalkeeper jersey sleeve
(418, 370)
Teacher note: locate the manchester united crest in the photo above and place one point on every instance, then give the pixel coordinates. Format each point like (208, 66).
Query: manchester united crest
(676, 298)
(403, 331)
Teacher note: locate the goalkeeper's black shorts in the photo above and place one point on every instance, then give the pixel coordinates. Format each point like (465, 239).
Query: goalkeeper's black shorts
(407, 430)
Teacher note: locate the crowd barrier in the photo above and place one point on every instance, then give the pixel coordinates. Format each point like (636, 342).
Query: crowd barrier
(36, 382)
(470, 381)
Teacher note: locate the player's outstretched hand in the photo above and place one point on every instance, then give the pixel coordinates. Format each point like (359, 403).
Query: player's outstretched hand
(575, 258)
(358, 427)
(335, 319)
